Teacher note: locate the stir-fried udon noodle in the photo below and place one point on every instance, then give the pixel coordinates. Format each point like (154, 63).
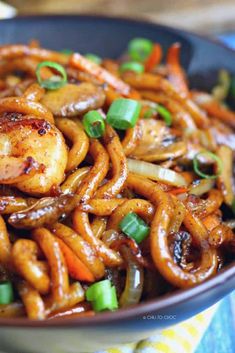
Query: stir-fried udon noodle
(116, 179)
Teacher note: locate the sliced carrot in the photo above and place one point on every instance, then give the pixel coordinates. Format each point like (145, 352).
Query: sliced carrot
(154, 58)
(210, 222)
(176, 73)
(134, 94)
(111, 95)
(178, 191)
(100, 73)
(215, 109)
(76, 267)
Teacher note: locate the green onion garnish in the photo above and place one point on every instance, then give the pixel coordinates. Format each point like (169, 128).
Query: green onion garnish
(162, 111)
(140, 48)
(123, 113)
(212, 156)
(53, 82)
(133, 226)
(149, 113)
(165, 114)
(102, 295)
(6, 293)
(95, 58)
(93, 124)
(134, 66)
(67, 51)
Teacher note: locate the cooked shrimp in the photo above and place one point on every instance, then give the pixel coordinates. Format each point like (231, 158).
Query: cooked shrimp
(33, 154)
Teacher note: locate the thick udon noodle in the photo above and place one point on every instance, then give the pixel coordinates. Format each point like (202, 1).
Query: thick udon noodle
(63, 194)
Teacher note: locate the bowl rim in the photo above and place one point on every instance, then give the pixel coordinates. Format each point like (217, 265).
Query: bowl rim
(122, 18)
(167, 301)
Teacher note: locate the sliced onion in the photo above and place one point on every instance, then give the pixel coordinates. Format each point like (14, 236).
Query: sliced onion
(134, 280)
(156, 172)
(201, 186)
(230, 223)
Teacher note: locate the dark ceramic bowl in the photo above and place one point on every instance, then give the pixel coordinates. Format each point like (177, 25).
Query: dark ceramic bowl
(104, 36)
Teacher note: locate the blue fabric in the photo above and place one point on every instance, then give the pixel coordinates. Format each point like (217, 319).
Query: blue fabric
(228, 39)
(220, 337)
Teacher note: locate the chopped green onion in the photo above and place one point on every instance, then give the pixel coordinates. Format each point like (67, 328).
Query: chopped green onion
(212, 156)
(53, 82)
(93, 124)
(106, 301)
(134, 66)
(165, 114)
(140, 48)
(6, 293)
(97, 289)
(102, 295)
(149, 113)
(67, 51)
(133, 226)
(162, 111)
(123, 113)
(95, 58)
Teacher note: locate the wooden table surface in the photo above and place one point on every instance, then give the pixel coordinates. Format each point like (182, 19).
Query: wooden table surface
(208, 16)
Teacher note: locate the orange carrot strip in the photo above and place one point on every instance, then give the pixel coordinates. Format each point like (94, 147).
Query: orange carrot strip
(215, 109)
(100, 73)
(154, 58)
(13, 51)
(76, 267)
(178, 191)
(175, 72)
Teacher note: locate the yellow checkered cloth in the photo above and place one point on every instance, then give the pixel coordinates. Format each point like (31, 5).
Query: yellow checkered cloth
(180, 338)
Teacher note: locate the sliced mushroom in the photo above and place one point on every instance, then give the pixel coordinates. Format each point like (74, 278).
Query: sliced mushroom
(43, 212)
(157, 142)
(72, 100)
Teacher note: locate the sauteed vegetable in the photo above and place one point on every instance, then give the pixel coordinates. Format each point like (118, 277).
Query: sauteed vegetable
(116, 179)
